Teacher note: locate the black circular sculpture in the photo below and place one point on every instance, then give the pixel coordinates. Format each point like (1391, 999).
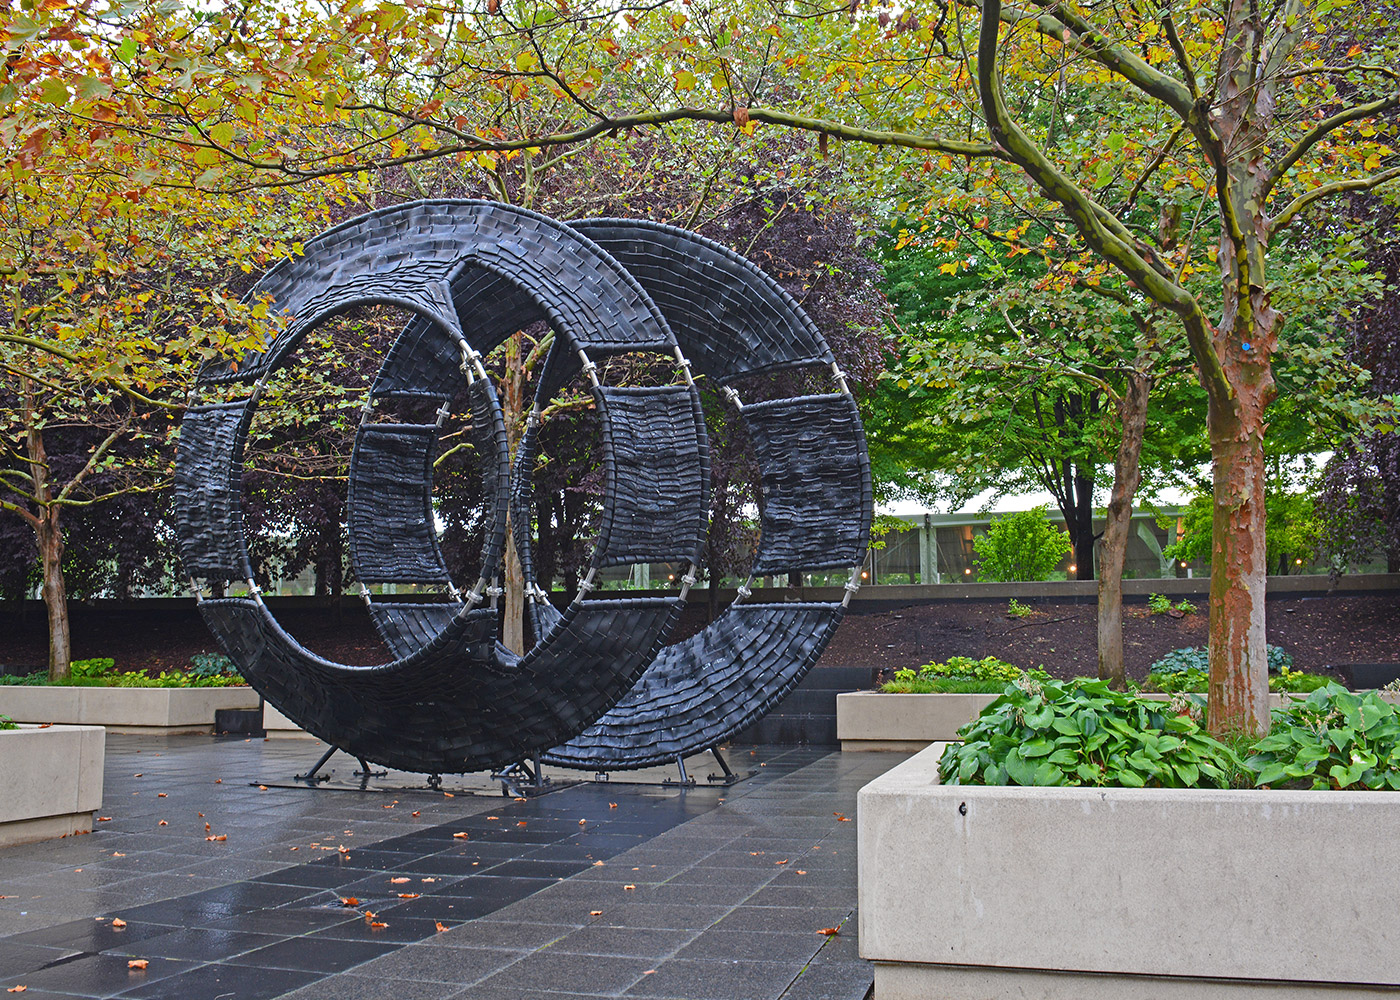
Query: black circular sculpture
(597, 690)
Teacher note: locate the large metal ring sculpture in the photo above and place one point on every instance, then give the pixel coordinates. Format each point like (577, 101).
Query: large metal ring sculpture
(596, 687)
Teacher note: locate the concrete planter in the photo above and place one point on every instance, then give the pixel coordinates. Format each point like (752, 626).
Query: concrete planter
(50, 781)
(125, 710)
(278, 726)
(869, 720)
(975, 892)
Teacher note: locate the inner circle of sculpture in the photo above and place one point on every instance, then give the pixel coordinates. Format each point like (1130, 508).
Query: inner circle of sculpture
(454, 699)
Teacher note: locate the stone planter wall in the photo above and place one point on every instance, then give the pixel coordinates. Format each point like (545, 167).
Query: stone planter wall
(973, 892)
(50, 781)
(125, 710)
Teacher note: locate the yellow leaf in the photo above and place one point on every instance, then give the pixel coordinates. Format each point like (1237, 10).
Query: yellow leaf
(685, 80)
(949, 268)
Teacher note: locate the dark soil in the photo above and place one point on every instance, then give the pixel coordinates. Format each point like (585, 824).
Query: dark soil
(1321, 631)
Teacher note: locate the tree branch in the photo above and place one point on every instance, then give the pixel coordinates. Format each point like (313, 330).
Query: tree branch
(1281, 221)
(1319, 132)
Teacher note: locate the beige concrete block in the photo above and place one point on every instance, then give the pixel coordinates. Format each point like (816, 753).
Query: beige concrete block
(125, 709)
(1290, 886)
(278, 726)
(50, 781)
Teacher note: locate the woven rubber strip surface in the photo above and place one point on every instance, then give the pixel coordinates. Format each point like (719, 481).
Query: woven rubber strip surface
(389, 510)
(703, 689)
(209, 491)
(816, 483)
(454, 705)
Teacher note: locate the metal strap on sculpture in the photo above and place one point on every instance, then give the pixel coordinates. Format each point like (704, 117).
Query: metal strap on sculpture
(455, 703)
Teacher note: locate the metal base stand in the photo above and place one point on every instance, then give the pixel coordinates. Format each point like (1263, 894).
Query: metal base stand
(311, 775)
(728, 777)
(520, 781)
(686, 780)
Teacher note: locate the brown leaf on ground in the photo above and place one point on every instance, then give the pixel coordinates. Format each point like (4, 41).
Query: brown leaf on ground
(118, 854)
(409, 895)
(801, 871)
(595, 913)
(782, 862)
(137, 774)
(830, 931)
(428, 880)
(17, 989)
(218, 781)
(597, 864)
(208, 828)
(217, 836)
(493, 817)
(349, 901)
(628, 888)
(343, 849)
(162, 795)
(459, 836)
(448, 795)
(612, 805)
(375, 925)
(521, 823)
(415, 812)
(138, 963)
(162, 823)
(583, 822)
(104, 819)
(262, 788)
(441, 926)
(118, 923)
(400, 880)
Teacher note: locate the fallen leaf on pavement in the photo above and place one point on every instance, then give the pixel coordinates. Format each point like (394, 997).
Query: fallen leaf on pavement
(118, 923)
(612, 805)
(459, 836)
(400, 880)
(349, 901)
(161, 795)
(830, 931)
(217, 836)
(441, 926)
(104, 819)
(376, 924)
(138, 963)
(595, 913)
(415, 812)
(17, 989)
(628, 888)
(409, 895)
(162, 823)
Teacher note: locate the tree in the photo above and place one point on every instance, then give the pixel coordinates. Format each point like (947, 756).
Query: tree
(1242, 119)
(1020, 546)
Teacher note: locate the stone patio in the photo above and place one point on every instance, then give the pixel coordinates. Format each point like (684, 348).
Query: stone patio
(619, 888)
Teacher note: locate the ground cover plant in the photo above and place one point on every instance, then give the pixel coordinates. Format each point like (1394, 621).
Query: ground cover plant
(1160, 604)
(1085, 733)
(207, 670)
(959, 675)
(7, 723)
(1183, 670)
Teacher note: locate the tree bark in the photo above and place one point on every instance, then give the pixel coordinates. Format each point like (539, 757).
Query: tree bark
(1083, 528)
(1239, 668)
(1127, 477)
(513, 407)
(48, 534)
(50, 538)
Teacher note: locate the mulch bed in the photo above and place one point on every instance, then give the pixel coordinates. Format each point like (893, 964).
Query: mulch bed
(1321, 631)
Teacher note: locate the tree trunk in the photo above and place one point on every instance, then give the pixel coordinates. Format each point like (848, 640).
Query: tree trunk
(1127, 476)
(513, 407)
(50, 538)
(48, 535)
(1239, 669)
(1083, 528)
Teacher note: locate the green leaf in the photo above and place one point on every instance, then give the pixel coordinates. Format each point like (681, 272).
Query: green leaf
(53, 91)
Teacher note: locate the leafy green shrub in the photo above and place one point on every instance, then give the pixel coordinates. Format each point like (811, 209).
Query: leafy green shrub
(1016, 609)
(93, 669)
(213, 665)
(959, 675)
(34, 679)
(1084, 733)
(7, 723)
(101, 672)
(1332, 739)
(1023, 546)
(1194, 679)
(1179, 661)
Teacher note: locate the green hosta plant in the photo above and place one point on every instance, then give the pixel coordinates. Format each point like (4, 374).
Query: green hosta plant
(1334, 738)
(205, 665)
(1045, 732)
(1179, 661)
